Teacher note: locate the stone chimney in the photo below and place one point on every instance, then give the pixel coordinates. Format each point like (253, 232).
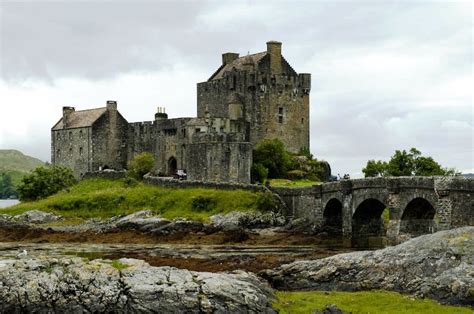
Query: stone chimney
(67, 112)
(228, 57)
(161, 114)
(111, 105)
(274, 50)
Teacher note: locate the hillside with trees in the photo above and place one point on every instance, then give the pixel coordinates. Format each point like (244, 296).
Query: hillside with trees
(14, 165)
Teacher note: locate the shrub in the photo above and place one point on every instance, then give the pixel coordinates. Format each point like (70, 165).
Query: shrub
(202, 203)
(273, 156)
(296, 174)
(43, 182)
(140, 165)
(267, 202)
(259, 173)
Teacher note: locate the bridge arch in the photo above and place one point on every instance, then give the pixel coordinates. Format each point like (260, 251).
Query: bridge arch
(417, 217)
(332, 216)
(367, 218)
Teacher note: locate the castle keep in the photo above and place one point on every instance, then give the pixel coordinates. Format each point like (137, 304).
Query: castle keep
(246, 100)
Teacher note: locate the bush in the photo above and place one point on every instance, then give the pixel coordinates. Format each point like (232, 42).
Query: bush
(296, 175)
(267, 202)
(202, 203)
(43, 182)
(140, 165)
(259, 173)
(272, 155)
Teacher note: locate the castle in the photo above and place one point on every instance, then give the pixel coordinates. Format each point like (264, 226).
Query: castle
(247, 99)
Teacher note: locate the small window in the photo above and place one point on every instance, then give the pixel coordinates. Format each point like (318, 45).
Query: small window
(70, 151)
(58, 153)
(280, 110)
(58, 135)
(183, 131)
(280, 119)
(80, 134)
(70, 135)
(302, 120)
(198, 130)
(80, 151)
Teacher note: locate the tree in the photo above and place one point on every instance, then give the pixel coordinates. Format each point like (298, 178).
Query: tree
(6, 186)
(404, 163)
(272, 155)
(259, 173)
(43, 182)
(375, 169)
(140, 165)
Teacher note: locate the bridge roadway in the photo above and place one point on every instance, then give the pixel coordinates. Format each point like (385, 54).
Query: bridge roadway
(391, 207)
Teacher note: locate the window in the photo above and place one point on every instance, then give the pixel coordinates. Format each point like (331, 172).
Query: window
(80, 134)
(58, 153)
(70, 151)
(198, 130)
(302, 120)
(280, 114)
(58, 135)
(80, 151)
(70, 135)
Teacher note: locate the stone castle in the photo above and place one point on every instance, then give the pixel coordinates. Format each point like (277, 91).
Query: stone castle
(247, 99)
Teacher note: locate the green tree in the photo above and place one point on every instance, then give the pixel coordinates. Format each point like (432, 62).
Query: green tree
(375, 168)
(404, 163)
(140, 165)
(272, 155)
(6, 186)
(259, 173)
(43, 182)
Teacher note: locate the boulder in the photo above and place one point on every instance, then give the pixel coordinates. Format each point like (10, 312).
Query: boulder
(439, 266)
(247, 220)
(71, 285)
(36, 217)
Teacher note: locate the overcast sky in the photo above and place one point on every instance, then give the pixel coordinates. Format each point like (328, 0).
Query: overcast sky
(386, 75)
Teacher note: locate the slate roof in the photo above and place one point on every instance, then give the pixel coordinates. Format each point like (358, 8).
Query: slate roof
(81, 118)
(237, 64)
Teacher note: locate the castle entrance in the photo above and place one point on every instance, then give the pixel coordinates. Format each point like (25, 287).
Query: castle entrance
(172, 166)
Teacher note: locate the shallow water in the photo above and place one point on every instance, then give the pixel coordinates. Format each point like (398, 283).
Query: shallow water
(8, 203)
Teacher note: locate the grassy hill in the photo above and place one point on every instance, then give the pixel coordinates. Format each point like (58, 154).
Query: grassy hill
(100, 198)
(17, 164)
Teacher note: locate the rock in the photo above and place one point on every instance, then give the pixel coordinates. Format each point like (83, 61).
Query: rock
(330, 309)
(178, 226)
(36, 217)
(71, 285)
(439, 266)
(247, 220)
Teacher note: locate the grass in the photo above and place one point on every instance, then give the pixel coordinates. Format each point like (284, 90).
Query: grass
(119, 265)
(292, 184)
(101, 198)
(359, 302)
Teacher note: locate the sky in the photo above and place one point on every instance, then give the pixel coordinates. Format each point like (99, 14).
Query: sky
(386, 75)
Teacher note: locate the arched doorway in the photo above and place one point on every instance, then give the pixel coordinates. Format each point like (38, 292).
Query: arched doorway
(333, 217)
(172, 166)
(417, 218)
(367, 219)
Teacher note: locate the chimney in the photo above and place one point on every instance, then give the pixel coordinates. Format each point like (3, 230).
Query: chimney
(228, 57)
(274, 50)
(67, 111)
(111, 105)
(161, 114)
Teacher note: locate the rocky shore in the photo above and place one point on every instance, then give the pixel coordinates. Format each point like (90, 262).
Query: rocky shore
(72, 285)
(438, 266)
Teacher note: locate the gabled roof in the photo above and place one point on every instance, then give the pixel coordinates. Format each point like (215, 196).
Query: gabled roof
(81, 118)
(238, 64)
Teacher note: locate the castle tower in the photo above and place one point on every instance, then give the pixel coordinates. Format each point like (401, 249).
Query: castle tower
(271, 96)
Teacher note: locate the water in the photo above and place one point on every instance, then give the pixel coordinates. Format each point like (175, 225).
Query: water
(7, 203)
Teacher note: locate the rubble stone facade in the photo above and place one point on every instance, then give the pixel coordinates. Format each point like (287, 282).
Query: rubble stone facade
(246, 100)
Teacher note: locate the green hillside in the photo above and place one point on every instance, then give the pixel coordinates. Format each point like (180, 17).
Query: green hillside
(13, 167)
(13, 160)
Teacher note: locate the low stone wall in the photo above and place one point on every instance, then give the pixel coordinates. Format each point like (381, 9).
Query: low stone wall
(107, 174)
(173, 183)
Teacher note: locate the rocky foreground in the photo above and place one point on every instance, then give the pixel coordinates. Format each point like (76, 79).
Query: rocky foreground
(72, 285)
(438, 266)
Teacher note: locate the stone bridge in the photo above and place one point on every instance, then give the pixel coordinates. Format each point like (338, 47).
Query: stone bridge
(391, 207)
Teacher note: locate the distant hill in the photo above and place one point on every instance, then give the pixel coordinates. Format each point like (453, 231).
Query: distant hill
(17, 164)
(15, 160)
(468, 175)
